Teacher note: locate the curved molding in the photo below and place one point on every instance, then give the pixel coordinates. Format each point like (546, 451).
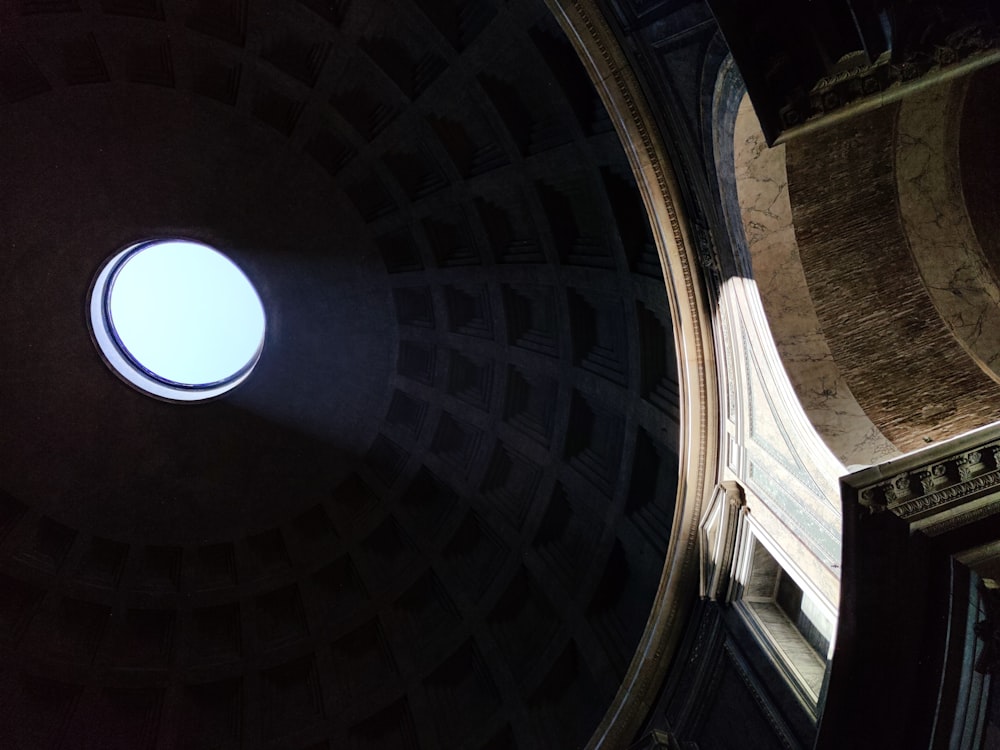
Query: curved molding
(644, 145)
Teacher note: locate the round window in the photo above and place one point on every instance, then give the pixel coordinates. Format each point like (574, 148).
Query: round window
(177, 319)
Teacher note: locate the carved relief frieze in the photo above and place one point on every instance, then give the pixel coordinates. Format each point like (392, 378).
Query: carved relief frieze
(834, 92)
(941, 485)
(971, 465)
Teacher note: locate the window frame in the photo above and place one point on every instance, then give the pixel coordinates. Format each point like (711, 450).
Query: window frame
(779, 637)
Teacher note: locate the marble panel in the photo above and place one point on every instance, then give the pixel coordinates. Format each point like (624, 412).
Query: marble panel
(955, 271)
(762, 187)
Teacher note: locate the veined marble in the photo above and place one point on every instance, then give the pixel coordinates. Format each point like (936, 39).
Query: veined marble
(762, 187)
(941, 238)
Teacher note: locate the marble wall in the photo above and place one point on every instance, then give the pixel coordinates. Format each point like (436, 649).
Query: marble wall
(948, 255)
(762, 187)
(909, 372)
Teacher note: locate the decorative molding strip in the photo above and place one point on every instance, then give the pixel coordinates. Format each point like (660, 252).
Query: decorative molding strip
(953, 522)
(938, 489)
(881, 79)
(936, 486)
(632, 115)
(833, 103)
(895, 48)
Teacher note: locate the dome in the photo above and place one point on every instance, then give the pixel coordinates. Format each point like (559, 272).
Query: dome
(436, 512)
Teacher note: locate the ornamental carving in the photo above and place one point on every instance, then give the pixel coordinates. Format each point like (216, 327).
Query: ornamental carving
(940, 485)
(803, 61)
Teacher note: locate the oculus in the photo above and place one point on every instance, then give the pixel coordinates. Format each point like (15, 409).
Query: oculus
(177, 319)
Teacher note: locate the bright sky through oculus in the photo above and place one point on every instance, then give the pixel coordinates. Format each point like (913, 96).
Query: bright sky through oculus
(186, 313)
(178, 319)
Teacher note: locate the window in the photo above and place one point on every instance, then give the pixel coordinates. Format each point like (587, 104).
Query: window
(794, 626)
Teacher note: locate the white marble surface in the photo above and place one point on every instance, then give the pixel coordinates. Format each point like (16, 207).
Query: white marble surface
(789, 475)
(950, 260)
(762, 187)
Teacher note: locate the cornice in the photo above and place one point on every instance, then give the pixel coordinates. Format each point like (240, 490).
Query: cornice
(937, 489)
